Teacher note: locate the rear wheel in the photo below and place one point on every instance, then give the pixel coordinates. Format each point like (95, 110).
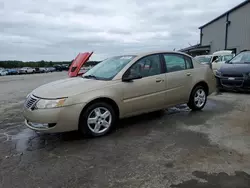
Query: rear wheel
(198, 98)
(97, 120)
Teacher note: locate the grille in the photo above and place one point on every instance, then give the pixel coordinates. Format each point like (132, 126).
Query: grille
(30, 102)
(235, 83)
(233, 75)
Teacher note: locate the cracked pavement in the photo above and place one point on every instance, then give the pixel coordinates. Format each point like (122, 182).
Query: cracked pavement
(173, 148)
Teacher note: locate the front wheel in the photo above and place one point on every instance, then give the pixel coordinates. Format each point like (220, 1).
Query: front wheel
(97, 120)
(198, 98)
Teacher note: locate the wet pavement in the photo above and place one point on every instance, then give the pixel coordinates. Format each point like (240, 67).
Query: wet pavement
(172, 148)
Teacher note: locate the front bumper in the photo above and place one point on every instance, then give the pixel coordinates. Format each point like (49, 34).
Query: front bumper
(53, 120)
(231, 83)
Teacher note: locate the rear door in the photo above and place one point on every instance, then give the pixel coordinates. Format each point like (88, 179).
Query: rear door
(76, 65)
(179, 73)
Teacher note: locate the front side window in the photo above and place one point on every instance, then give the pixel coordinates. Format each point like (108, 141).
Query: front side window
(174, 62)
(243, 57)
(147, 66)
(109, 68)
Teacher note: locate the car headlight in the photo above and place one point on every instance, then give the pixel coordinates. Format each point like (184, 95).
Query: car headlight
(218, 73)
(44, 103)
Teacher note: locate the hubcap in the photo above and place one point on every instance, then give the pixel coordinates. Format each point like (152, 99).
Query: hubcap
(99, 120)
(200, 98)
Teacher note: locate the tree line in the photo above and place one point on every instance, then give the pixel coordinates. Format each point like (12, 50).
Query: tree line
(19, 64)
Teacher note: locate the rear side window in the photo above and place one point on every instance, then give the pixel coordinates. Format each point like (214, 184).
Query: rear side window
(177, 62)
(174, 62)
(189, 63)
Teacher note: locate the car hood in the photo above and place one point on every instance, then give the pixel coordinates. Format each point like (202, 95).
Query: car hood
(69, 87)
(235, 68)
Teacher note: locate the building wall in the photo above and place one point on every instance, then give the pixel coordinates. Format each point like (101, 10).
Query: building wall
(239, 29)
(214, 35)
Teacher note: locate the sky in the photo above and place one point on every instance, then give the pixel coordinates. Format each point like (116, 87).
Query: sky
(58, 30)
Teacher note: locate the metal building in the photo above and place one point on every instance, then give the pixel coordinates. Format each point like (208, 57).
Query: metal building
(230, 30)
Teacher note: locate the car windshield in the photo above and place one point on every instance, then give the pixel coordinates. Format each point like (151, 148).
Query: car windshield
(243, 57)
(109, 68)
(203, 59)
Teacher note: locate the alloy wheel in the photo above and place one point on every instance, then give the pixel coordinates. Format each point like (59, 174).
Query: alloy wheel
(200, 98)
(99, 120)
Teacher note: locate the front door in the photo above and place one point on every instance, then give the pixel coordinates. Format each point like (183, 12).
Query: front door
(148, 93)
(179, 75)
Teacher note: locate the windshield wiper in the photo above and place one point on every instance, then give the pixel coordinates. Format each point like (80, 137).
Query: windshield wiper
(90, 76)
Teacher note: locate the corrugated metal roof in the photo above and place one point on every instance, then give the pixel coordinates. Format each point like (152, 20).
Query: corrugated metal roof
(231, 10)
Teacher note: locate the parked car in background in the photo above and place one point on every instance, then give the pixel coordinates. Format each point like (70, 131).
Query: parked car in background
(83, 70)
(43, 70)
(3, 72)
(204, 59)
(65, 67)
(12, 71)
(221, 58)
(50, 69)
(37, 70)
(118, 87)
(213, 59)
(235, 73)
(26, 70)
(58, 68)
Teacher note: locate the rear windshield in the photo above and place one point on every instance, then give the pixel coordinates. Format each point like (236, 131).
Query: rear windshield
(203, 59)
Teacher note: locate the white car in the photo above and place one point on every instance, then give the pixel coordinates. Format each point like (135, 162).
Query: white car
(3, 72)
(26, 70)
(221, 59)
(216, 59)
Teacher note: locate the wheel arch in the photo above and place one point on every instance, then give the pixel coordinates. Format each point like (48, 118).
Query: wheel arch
(203, 84)
(105, 100)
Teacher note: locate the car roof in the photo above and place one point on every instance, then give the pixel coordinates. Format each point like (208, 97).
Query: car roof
(204, 55)
(223, 52)
(160, 52)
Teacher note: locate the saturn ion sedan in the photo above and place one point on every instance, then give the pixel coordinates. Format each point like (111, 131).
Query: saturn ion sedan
(116, 88)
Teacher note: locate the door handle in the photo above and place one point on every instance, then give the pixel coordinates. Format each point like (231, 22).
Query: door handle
(159, 80)
(188, 74)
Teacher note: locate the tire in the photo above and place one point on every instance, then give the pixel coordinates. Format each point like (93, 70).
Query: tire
(198, 93)
(96, 129)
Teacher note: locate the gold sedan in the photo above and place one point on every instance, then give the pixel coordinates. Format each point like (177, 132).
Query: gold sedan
(118, 87)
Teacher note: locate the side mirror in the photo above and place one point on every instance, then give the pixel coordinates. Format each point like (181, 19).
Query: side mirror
(129, 78)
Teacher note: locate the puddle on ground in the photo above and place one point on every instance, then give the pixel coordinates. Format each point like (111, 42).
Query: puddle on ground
(22, 139)
(217, 180)
(29, 140)
(178, 109)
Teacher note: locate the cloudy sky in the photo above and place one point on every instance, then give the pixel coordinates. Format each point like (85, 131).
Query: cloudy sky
(60, 29)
